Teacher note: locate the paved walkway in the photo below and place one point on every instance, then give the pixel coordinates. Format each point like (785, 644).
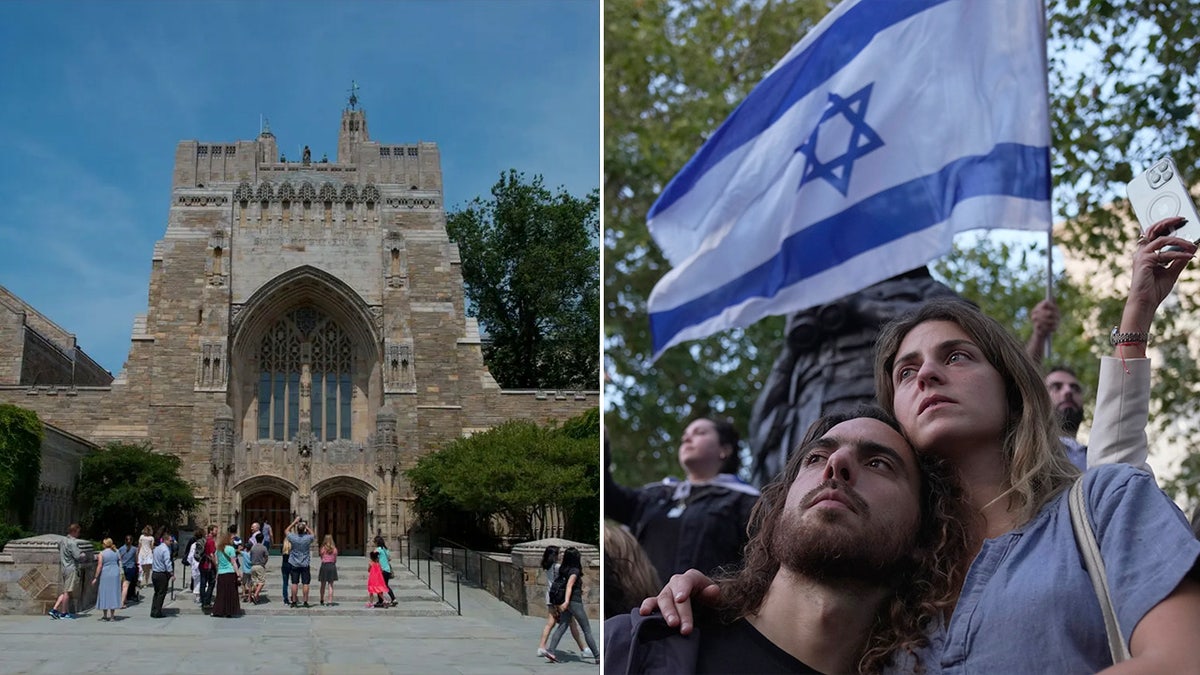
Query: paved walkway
(489, 637)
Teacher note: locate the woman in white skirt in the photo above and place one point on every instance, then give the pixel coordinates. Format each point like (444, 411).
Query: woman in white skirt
(146, 553)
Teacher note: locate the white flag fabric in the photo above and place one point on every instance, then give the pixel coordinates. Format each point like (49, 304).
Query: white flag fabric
(891, 126)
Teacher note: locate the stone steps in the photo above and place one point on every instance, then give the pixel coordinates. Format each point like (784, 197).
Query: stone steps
(413, 596)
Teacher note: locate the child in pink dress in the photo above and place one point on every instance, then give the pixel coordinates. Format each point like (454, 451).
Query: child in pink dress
(376, 586)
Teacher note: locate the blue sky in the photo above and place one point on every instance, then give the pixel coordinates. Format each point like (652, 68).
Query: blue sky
(94, 97)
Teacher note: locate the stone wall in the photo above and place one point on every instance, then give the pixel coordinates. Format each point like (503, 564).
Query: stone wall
(31, 575)
(527, 557)
(62, 454)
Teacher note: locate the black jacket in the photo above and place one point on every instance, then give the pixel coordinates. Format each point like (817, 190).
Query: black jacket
(712, 529)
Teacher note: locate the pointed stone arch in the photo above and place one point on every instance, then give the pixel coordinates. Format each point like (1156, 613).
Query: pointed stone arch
(305, 289)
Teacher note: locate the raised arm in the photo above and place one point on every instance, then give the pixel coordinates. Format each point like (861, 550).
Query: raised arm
(620, 502)
(1045, 318)
(1123, 395)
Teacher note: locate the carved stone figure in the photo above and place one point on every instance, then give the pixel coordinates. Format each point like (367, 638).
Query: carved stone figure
(826, 365)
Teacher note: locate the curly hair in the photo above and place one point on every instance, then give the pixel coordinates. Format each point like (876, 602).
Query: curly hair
(926, 586)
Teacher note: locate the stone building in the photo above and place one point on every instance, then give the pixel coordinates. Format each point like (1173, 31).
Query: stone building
(305, 339)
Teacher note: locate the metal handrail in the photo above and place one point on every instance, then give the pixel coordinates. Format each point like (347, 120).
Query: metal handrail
(428, 579)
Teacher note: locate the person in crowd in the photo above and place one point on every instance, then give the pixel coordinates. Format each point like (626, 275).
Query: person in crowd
(129, 568)
(285, 569)
(208, 568)
(376, 586)
(385, 565)
(963, 389)
(550, 566)
(258, 566)
(697, 522)
(1066, 393)
(162, 572)
(246, 586)
(855, 550)
(195, 553)
(300, 558)
(226, 604)
(328, 572)
(266, 532)
(146, 554)
(70, 557)
(628, 574)
(108, 580)
(572, 605)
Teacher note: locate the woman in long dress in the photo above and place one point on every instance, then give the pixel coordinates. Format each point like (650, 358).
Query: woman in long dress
(227, 604)
(146, 554)
(108, 578)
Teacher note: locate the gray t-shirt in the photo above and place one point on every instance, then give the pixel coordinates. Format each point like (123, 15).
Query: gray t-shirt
(1145, 542)
(258, 553)
(68, 550)
(299, 557)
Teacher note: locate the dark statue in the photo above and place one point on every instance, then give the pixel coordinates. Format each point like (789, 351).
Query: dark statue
(307, 159)
(826, 365)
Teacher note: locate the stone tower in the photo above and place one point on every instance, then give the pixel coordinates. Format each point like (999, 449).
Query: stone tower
(305, 339)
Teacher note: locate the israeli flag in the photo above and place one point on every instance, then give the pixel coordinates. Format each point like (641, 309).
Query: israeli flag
(890, 127)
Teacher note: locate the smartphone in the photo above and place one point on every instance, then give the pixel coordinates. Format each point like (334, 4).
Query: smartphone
(1160, 193)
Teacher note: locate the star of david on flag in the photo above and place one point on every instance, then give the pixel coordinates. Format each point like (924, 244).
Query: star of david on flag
(863, 140)
(889, 128)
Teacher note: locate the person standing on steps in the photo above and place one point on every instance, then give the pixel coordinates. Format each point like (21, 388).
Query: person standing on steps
(385, 564)
(300, 558)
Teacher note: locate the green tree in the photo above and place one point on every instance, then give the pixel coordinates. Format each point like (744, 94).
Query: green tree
(21, 467)
(124, 487)
(1124, 80)
(672, 72)
(583, 517)
(517, 471)
(21, 435)
(530, 263)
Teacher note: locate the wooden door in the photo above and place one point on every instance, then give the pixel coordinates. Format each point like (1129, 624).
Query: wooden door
(267, 507)
(345, 517)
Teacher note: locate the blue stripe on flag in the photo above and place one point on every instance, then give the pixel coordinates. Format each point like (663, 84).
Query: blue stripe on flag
(837, 46)
(1010, 169)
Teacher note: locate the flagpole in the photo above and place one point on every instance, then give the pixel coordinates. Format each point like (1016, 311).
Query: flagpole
(1050, 230)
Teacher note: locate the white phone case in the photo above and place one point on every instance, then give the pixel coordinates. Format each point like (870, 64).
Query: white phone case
(1159, 193)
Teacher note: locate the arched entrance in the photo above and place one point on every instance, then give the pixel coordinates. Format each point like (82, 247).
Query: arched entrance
(267, 507)
(343, 515)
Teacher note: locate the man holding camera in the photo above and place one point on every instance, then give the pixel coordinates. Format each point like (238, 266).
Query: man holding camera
(300, 557)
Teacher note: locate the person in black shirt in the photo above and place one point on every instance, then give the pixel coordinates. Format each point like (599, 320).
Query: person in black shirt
(854, 549)
(698, 522)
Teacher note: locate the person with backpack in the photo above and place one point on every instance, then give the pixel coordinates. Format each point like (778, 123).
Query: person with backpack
(567, 593)
(550, 567)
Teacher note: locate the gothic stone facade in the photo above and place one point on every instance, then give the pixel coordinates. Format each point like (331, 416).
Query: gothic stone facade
(305, 340)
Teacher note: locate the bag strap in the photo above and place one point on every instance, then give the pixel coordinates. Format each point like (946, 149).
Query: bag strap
(1090, 551)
